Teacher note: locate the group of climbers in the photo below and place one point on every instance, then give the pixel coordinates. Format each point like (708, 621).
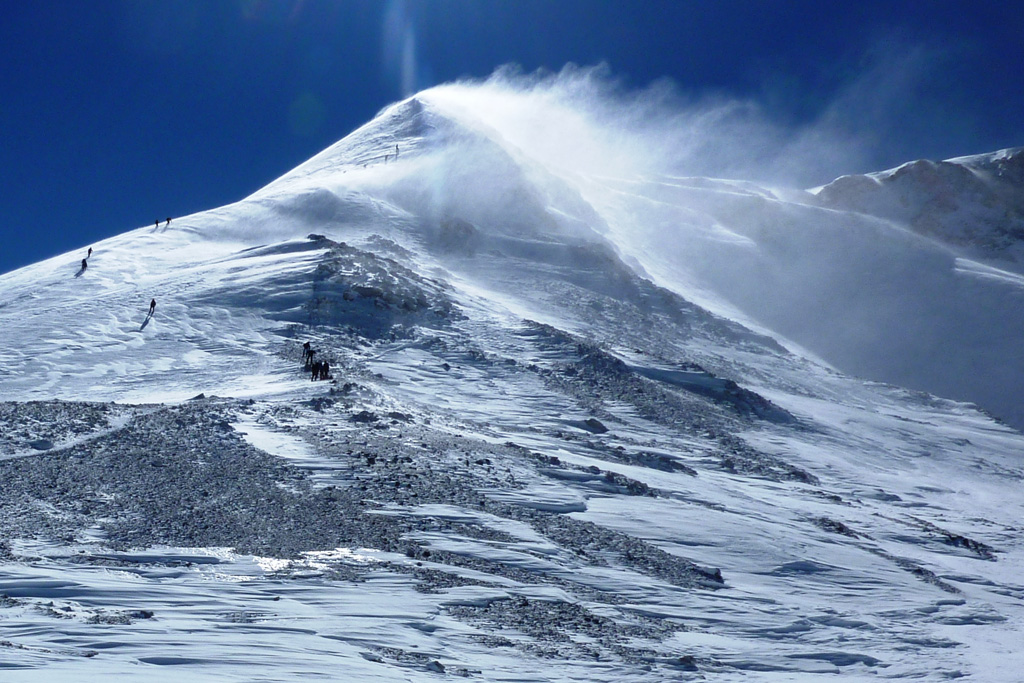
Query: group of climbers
(386, 157)
(319, 369)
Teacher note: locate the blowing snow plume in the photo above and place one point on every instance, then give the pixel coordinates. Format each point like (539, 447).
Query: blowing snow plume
(576, 155)
(584, 119)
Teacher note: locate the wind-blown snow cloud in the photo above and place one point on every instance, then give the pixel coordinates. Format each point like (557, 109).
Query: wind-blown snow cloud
(579, 154)
(585, 118)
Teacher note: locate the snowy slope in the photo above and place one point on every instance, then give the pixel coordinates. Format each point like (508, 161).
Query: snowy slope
(581, 427)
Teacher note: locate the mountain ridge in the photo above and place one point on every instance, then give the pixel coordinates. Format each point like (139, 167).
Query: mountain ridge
(971, 202)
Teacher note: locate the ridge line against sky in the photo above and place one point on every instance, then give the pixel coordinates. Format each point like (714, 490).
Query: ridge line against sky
(119, 112)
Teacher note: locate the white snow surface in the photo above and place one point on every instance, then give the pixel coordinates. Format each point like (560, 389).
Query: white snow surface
(768, 351)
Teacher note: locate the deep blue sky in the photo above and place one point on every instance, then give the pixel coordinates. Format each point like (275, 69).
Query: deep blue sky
(115, 113)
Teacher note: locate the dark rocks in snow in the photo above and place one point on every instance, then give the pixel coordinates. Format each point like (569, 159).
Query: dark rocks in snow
(747, 401)
(739, 458)
(686, 663)
(924, 574)
(594, 426)
(42, 425)
(346, 388)
(950, 538)
(182, 475)
(915, 568)
(8, 601)
(657, 461)
(627, 485)
(381, 244)
(556, 629)
(697, 380)
(738, 464)
(121, 617)
(245, 617)
(598, 378)
(201, 485)
(591, 541)
(415, 660)
(198, 485)
(980, 549)
(835, 527)
(320, 403)
(374, 296)
(595, 478)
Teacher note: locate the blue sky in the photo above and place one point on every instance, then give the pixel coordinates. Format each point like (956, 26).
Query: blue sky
(116, 113)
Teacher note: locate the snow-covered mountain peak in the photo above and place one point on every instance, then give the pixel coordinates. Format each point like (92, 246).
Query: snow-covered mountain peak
(974, 203)
(408, 123)
(435, 167)
(583, 421)
(1006, 164)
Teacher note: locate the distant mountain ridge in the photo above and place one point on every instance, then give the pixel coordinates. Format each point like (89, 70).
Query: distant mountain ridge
(973, 202)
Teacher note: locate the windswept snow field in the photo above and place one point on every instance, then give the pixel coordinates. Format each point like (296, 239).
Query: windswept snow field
(581, 425)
